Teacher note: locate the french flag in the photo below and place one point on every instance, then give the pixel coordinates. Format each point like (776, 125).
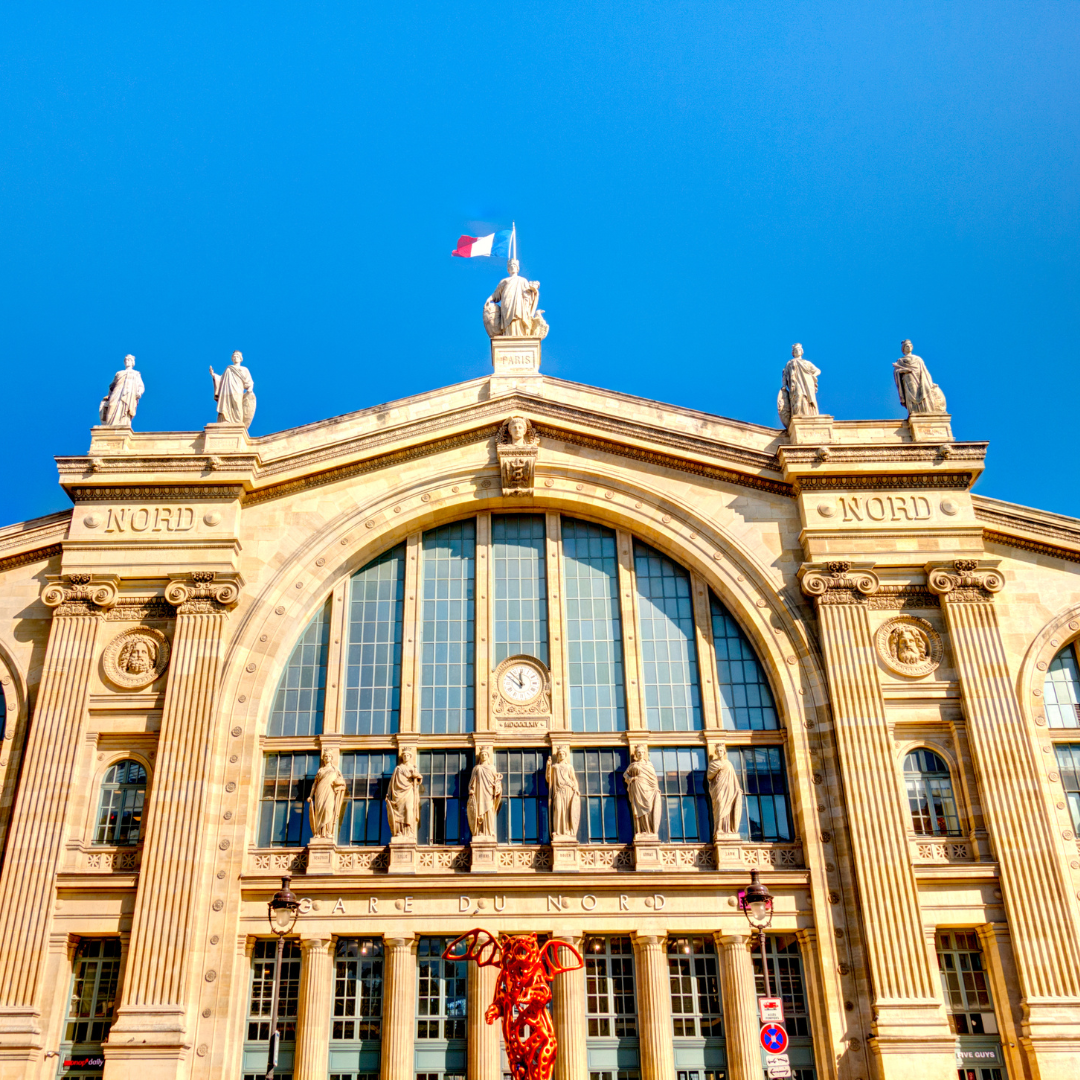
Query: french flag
(497, 244)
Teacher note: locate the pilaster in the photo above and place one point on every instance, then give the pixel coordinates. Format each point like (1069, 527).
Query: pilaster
(911, 1034)
(654, 1007)
(740, 1006)
(484, 1038)
(399, 1008)
(572, 1061)
(313, 1017)
(38, 820)
(1042, 916)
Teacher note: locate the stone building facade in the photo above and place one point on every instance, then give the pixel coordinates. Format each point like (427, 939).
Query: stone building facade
(888, 659)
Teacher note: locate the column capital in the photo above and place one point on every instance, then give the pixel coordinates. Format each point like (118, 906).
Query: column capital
(400, 942)
(650, 941)
(80, 594)
(735, 940)
(839, 582)
(316, 943)
(203, 592)
(970, 581)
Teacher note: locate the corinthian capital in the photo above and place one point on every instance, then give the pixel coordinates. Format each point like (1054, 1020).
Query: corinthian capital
(203, 592)
(80, 594)
(839, 583)
(965, 581)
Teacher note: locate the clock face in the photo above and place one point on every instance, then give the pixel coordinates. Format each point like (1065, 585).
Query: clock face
(521, 683)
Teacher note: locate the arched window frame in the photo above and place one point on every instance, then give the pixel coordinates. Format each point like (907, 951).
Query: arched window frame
(956, 788)
(94, 801)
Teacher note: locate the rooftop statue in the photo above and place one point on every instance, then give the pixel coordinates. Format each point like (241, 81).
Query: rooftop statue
(798, 388)
(234, 392)
(918, 392)
(118, 406)
(511, 310)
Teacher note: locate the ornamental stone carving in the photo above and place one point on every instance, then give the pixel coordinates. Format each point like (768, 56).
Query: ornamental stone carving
(403, 796)
(565, 796)
(909, 646)
(203, 592)
(964, 582)
(485, 796)
(80, 594)
(725, 794)
(512, 310)
(839, 583)
(327, 798)
(517, 447)
(643, 787)
(136, 658)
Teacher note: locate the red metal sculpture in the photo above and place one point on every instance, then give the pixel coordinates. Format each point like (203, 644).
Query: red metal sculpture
(521, 994)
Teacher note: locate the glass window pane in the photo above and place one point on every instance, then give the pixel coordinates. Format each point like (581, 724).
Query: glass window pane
(696, 1009)
(441, 1002)
(301, 693)
(263, 962)
(523, 814)
(1068, 760)
(681, 776)
(1061, 690)
(95, 978)
(930, 795)
(283, 817)
(367, 776)
(375, 618)
(358, 989)
(444, 796)
(610, 1000)
(746, 702)
(766, 812)
(605, 810)
(120, 804)
(519, 611)
(786, 981)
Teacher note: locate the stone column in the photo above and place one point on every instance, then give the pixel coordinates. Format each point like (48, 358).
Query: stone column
(36, 833)
(911, 1034)
(740, 1006)
(654, 1007)
(1034, 884)
(399, 1008)
(485, 1040)
(150, 1025)
(313, 1018)
(568, 989)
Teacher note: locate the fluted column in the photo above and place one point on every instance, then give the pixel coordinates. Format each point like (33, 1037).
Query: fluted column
(1042, 917)
(911, 1031)
(399, 1008)
(151, 1017)
(568, 989)
(313, 1016)
(38, 817)
(740, 1006)
(654, 1008)
(485, 1040)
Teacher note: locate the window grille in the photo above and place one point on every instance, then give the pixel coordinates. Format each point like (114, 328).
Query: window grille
(444, 797)
(1061, 690)
(441, 1001)
(766, 808)
(301, 694)
(263, 961)
(684, 794)
(120, 805)
(358, 989)
(605, 809)
(930, 795)
(746, 702)
(283, 817)
(696, 1006)
(523, 815)
(519, 610)
(92, 1004)
(364, 821)
(610, 999)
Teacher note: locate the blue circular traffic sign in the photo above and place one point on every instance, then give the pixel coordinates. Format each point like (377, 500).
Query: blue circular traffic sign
(774, 1038)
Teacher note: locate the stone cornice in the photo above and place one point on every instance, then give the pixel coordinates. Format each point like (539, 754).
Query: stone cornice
(1027, 529)
(33, 541)
(965, 580)
(155, 492)
(942, 481)
(893, 453)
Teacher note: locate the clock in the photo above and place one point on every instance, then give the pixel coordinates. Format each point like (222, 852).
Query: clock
(521, 687)
(521, 682)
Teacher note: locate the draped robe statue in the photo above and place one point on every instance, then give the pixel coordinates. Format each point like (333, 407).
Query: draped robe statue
(511, 310)
(725, 793)
(327, 798)
(565, 796)
(118, 405)
(918, 392)
(485, 796)
(798, 388)
(234, 392)
(643, 787)
(403, 798)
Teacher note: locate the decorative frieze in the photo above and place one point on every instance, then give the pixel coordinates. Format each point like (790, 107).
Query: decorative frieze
(925, 850)
(110, 860)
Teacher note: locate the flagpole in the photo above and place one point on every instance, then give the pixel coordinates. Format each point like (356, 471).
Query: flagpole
(513, 239)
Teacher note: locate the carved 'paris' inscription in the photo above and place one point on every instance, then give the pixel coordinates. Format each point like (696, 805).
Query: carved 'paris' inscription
(142, 519)
(885, 508)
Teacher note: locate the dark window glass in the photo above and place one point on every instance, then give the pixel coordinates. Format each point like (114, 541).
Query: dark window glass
(441, 1003)
(965, 983)
(605, 811)
(376, 615)
(93, 990)
(746, 702)
(519, 611)
(283, 817)
(444, 796)
(610, 1003)
(301, 695)
(120, 807)
(766, 810)
(930, 795)
(1068, 759)
(785, 980)
(684, 796)
(523, 815)
(1061, 690)
(366, 776)
(696, 1009)
(263, 961)
(358, 989)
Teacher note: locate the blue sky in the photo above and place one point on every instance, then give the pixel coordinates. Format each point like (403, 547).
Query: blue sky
(696, 186)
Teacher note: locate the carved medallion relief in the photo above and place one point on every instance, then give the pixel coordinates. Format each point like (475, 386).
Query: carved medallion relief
(909, 646)
(136, 658)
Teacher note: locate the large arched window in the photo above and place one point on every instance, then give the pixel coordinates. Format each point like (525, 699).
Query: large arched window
(930, 795)
(1061, 690)
(120, 806)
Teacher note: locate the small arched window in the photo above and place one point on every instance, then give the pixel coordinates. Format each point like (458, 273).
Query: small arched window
(930, 795)
(120, 809)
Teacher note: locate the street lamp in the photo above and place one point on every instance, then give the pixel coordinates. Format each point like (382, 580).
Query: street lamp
(282, 912)
(757, 905)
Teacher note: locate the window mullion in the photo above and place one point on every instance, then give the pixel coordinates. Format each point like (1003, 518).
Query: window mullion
(630, 631)
(706, 653)
(485, 592)
(335, 675)
(557, 654)
(410, 654)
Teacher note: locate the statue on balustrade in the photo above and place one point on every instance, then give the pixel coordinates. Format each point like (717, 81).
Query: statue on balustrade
(403, 798)
(485, 796)
(234, 392)
(512, 309)
(798, 388)
(565, 796)
(918, 392)
(725, 793)
(118, 406)
(643, 787)
(327, 798)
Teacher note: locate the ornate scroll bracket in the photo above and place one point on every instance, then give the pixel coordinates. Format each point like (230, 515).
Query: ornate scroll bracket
(81, 594)
(839, 583)
(517, 447)
(965, 581)
(203, 592)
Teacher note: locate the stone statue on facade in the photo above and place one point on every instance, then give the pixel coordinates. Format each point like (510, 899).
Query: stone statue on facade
(403, 797)
(327, 798)
(798, 388)
(118, 406)
(918, 392)
(725, 793)
(512, 309)
(485, 796)
(565, 796)
(643, 788)
(234, 392)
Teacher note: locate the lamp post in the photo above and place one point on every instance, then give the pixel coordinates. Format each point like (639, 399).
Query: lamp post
(282, 912)
(757, 905)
